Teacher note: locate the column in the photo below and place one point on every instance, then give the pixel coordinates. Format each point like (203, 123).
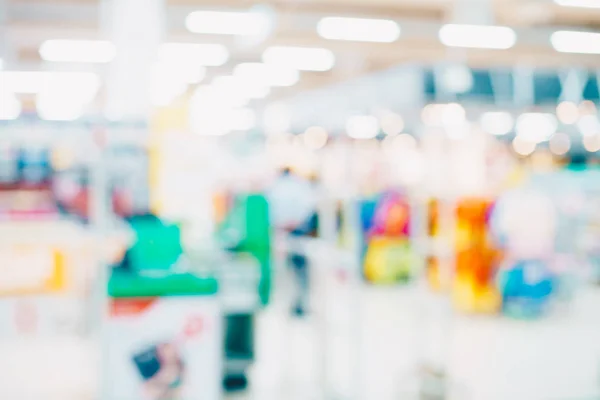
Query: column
(136, 27)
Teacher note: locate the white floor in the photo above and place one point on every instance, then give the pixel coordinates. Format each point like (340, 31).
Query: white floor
(369, 345)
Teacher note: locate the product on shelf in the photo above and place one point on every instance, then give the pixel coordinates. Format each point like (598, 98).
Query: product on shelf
(476, 261)
(388, 254)
(525, 225)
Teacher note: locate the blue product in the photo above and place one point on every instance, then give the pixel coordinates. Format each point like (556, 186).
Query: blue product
(526, 289)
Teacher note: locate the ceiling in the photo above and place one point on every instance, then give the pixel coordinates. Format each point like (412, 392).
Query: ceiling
(27, 23)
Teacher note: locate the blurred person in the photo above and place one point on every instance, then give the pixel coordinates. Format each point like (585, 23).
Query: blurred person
(293, 204)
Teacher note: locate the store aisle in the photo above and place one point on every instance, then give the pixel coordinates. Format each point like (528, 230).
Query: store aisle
(491, 358)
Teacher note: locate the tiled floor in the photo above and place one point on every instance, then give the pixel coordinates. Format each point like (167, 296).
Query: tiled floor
(370, 348)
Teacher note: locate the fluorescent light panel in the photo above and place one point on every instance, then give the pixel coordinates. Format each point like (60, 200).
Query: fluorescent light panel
(536, 127)
(267, 75)
(10, 106)
(301, 58)
(478, 36)
(78, 51)
(579, 3)
(359, 29)
(576, 42)
(36, 81)
(227, 23)
(199, 54)
(362, 127)
(246, 88)
(497, 123)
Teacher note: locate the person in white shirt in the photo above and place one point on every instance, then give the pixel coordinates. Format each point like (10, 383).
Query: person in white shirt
(293, 205)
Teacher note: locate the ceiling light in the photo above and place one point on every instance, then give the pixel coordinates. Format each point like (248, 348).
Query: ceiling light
(432, 115)
(536, 127)
(592, 143)
(64, 95)
(35, 81)
(246, 88)
(362, 127)
(560, 144)
(198, 54)
(391, 123)
(242, 119)
(58, 106)
(10, 106)
(578, 3)
(458, 132)
(301, 58)
(453, 114)
(576, 42)
(22, 81)
(315, 137)
(164, 91)
(209, 95)
(78, 51)
(587, 107)
(497, 123)
(478, 36)
(267, 74)
(227, 23)
(589, 125)
(523, 147)
(567, 112)
(359, 29)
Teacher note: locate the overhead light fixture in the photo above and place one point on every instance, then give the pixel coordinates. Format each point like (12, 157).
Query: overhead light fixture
(536, 127)
(453, 114)
(78, 51)
(246, 88)
(65, 95)
(592, 143)
(31, 82)
(576, 42)
(359, 29)
(391, 123)
(197, 54)
(242, 119)
(57, 106)
(301, 58)
(589, 125)
(567, 112)
(478, 36)
(267, 74)
(523, 147)
(227, 23)
(315, 137)
(10, 106)
(497, 123)
(578, 3)
(362, 127)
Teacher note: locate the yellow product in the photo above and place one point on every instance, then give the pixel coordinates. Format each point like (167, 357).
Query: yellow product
(388, 260)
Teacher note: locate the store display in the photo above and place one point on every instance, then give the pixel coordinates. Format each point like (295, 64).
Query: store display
(164, 339)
